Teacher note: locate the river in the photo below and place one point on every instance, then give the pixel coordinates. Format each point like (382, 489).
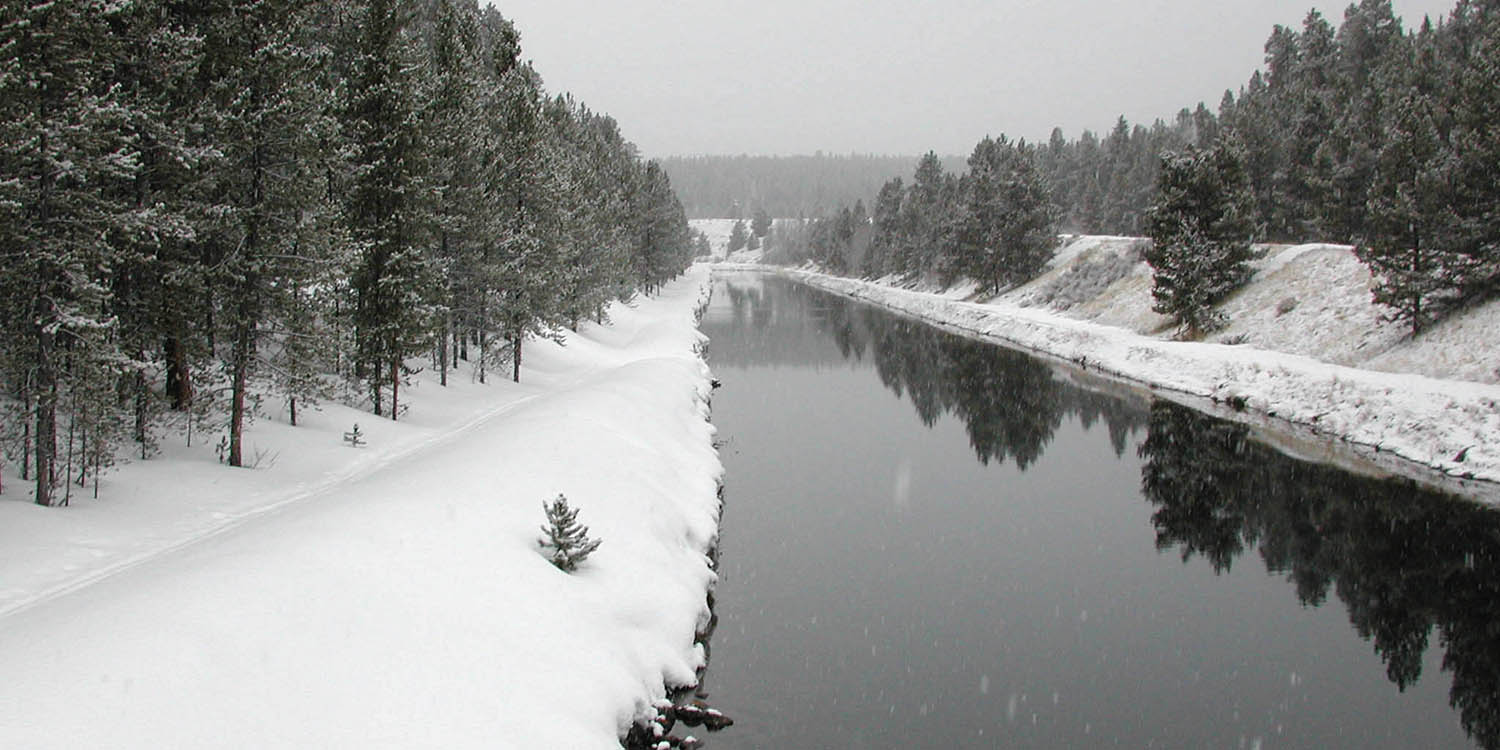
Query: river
(930, 541)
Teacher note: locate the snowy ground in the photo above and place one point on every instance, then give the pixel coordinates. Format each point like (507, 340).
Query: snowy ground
(1312, 350)
(391, 595)
(718, 231)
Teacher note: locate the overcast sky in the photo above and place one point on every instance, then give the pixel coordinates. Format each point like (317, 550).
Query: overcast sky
(888, 77)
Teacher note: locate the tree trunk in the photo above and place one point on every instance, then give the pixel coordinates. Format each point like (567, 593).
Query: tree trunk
(1416, 282)
(516, 363)
(46, 409)
(292, 404)
(68, 460)
(142, 407)
(443, 350)
(179, 375)
(483, 343)
(26, 443)
(395, 386)
(240, 363)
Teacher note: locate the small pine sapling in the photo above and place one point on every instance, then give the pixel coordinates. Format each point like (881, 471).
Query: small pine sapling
(567, 539)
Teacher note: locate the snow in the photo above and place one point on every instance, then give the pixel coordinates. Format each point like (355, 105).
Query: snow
(392, 595)
(718, 231)
(1323, 362)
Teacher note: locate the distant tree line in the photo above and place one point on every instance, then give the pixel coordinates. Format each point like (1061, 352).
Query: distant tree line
(995, 223)
(204, 205)
(785, 187)
(1365, 134)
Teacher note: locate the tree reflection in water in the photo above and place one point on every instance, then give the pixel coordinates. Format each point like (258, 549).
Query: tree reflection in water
(1412, 567)
(1011, 404)
(1405, 561)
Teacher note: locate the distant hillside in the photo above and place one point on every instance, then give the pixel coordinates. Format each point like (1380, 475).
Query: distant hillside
(719, 187)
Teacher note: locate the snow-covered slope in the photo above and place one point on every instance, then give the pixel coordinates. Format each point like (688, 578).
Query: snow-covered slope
(1311, 348)
(392, 595)
(718, 231)
(1304, 299)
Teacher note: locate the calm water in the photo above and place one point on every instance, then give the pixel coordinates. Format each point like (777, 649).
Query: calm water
(933, 542)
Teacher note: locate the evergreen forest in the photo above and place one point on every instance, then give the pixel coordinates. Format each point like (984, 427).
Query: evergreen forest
(1368, 133)
(736, 187)
(209, 209)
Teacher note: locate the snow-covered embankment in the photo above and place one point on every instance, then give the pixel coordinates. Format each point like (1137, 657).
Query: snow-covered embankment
(1449, 425)
(406, 604)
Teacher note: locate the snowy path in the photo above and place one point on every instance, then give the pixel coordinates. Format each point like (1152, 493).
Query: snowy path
(1448, 425)
(406, 605)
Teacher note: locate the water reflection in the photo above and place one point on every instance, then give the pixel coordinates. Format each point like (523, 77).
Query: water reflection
(1010, 404)
(1404, 562)
(886, 585)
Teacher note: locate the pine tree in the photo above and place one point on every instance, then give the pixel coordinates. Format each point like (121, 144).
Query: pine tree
(272, 225)
(1411, 205)
(392, 281)
(923, 217)
(1470, 65)
(886, 234)
(460, 212)
(566, 539)
(1008, 228)
(1200, 234)
(61, 126)
(1369, 41)
(159, 290)
(527, 250)
(760, 224)
(737, 238)
(665, 247)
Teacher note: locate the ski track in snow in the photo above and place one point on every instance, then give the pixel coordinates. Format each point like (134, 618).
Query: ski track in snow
(388, 596)
(225, 524)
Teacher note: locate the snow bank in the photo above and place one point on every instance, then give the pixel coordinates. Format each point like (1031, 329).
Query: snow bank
(388, 596)
(1448, 425)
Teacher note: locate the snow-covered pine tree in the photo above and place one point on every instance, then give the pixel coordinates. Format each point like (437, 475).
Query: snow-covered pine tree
(567, 541)
(1473, 65)
(760, 223)
(392, 281)
(62, 139)
(158, 288)
(272, 232)
(737, 237)
(922, 217)
(613, 173)
(1200, 234)
(461, 212)
(886, 226)
(1369, 41)
(666, 246)
(1307, 104)
(1007, 227)
(526, 250)
(1411, 202)
(580, 238)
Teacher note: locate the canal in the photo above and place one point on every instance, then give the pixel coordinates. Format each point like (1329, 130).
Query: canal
(930, 541)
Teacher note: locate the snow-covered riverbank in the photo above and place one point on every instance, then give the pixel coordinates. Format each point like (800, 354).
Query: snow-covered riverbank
(1452, 426)
(391, 595)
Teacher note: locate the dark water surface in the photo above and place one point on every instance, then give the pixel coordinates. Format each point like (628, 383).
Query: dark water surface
(931, 542)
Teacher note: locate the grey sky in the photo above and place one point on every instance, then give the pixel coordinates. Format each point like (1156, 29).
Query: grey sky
(881, 76)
